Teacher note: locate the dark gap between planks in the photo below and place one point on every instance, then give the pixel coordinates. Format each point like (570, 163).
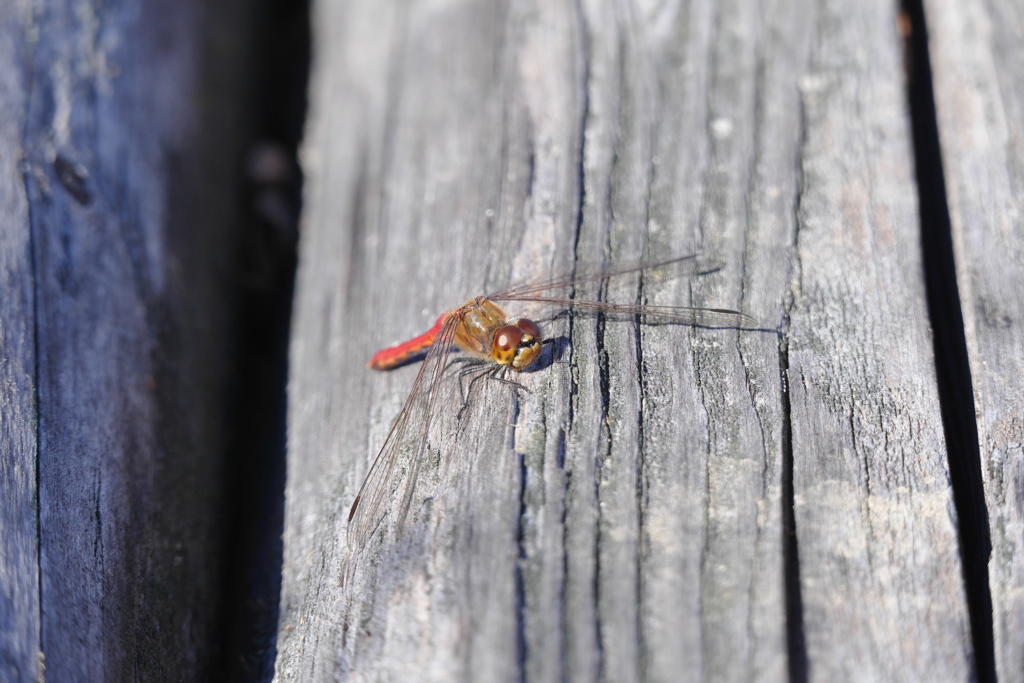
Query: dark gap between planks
(257, 405)
(956, 396)
(796, 644)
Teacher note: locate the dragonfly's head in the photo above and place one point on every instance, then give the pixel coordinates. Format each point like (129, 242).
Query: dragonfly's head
(516, 345)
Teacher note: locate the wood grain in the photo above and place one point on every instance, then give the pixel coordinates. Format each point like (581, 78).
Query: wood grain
(978, 66)
(623, 518)
(19, 540)
(121, 144)
(879, 559)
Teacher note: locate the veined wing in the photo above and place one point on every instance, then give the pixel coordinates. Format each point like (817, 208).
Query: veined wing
(684, 265)
(409, 431)
(683, 315)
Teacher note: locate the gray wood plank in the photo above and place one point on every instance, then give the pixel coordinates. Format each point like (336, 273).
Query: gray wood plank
(623, 519)
(879, 563)
(977, 52)
(121, 139)
(19, 545)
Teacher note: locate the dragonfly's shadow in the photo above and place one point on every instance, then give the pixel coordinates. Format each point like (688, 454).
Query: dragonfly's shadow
(555, 349)
(409, 360)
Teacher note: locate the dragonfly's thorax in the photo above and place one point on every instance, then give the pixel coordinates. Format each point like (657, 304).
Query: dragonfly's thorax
(478, 319)
(483, 330)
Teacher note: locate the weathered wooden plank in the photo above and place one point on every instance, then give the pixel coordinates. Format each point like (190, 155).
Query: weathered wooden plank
(19, 545)
(122, 139)
(977, 52)
(623, 519)
(879, 564)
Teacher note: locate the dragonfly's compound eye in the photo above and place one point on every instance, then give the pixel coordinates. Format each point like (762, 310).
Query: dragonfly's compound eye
(506, 341)
(530, 345)
(529, 328)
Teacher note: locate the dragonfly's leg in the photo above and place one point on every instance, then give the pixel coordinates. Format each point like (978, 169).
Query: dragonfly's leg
(503, 370)
(466, 364)
(464, 391)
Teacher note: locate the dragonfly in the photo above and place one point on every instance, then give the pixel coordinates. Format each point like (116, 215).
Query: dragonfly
(499, 346)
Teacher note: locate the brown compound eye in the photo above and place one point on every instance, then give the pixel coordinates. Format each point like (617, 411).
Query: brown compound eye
(506, 341)
(528, 327)
(529, 347)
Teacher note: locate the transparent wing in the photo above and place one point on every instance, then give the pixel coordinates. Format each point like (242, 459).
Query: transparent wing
(545, 290)
(408, 434)
(683, 315)
(682, 265)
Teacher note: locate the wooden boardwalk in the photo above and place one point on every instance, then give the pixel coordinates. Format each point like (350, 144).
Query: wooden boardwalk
(666, 503)
(827, 497)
